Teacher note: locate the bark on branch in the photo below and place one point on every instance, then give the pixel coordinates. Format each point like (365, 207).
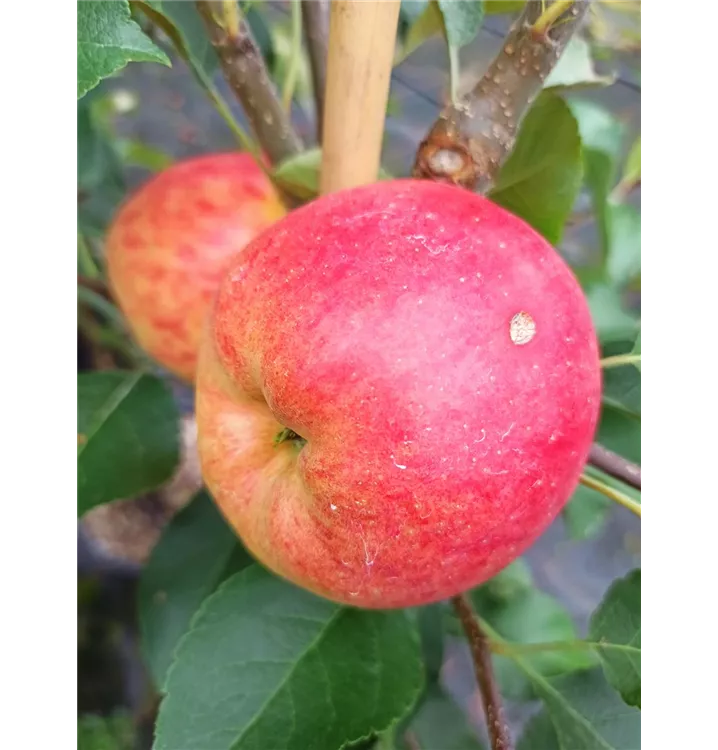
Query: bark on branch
(473, 135)
(614, 465)
(481, 654)
(245, 71)
(315, 17)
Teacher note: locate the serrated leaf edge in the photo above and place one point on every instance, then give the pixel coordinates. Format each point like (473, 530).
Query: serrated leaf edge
(340, 610)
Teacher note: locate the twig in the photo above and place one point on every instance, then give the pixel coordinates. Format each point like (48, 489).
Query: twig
(315, 17)
(495, 720)
(610, 492)
(473, 135)
(246, 73)
(614, 465)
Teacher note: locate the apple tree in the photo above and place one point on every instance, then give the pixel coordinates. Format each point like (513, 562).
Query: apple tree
(234, 656)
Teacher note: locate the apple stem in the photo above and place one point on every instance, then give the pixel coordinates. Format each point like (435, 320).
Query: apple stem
(246, 73)
(286, 434)
(496, 723)
(315, 18)
(472, 136)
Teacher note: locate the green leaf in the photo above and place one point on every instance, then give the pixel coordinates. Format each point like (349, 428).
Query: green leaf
(602, 138)
(107, 39)
(513, 581)
(139, 154)
(462, 20)
(114, 732)
(430, 621)
(100, 179)
(282, 47)
(620, 431)
(623, 229)
(616, 625)
(575, 69)
(612, 320)
(622, 385)
(182, 23)
(496, 7)
(600, 130)
(585, 713)
(299, 175)
(268, 665)
(410, 10)
(586, 512)
(637, 349)
(439, 723)
(632, 168)
(530, 616)
(425, 25)
(539, 734)
(541, 178)
(96, 158)
(127, 425)
(196, 552)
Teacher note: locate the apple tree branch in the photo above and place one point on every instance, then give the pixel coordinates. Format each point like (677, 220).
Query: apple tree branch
(614, 465)
(473, 135)
(496, 723)
(315, 17)
(246, 73)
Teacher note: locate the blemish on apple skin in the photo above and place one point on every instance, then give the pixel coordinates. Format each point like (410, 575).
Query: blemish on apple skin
(522, 328)
(511, 427)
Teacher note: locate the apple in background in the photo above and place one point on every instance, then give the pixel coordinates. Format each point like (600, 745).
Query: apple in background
(396, 393)
(169, 244)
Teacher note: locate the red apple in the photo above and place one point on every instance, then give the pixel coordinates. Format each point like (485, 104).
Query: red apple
(437, 358)
(171, 241)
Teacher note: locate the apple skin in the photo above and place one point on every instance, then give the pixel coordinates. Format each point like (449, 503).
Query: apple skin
(377, 324)
(170, 243)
